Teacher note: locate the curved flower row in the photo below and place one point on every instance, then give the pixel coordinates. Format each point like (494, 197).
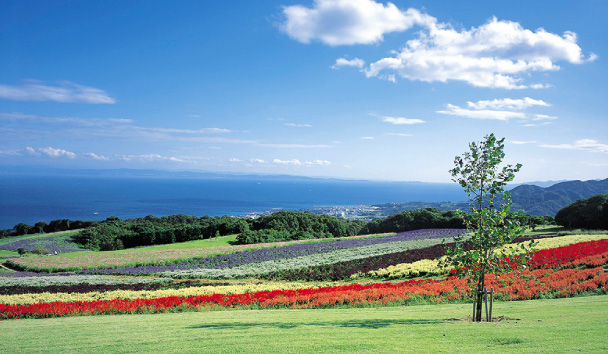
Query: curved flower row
(527, 285)
(545, 249)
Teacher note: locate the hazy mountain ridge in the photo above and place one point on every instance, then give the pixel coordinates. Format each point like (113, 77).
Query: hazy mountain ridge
(536, 200)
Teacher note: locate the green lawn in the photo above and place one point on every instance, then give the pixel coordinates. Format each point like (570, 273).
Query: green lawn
(539, 326)
(4, 241)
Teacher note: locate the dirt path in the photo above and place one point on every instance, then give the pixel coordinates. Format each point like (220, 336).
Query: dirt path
(4, 267)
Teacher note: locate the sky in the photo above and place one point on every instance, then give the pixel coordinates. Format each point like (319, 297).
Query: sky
(354, 89)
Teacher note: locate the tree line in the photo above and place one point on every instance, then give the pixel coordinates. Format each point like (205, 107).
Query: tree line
(115, 233)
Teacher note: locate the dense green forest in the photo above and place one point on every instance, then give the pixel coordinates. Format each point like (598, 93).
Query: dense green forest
(115, 233)
(590, 213)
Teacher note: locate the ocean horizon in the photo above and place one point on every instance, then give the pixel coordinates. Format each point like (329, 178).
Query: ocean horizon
(33, 198)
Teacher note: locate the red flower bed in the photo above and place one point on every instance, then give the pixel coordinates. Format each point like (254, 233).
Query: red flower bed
(521, 285)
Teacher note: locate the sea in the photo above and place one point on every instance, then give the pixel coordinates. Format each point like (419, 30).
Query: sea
(33, 198)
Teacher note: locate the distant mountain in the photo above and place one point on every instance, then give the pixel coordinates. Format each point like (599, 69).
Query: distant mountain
(536, 200)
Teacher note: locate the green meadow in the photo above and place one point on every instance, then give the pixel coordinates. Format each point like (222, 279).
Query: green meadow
(538, 326)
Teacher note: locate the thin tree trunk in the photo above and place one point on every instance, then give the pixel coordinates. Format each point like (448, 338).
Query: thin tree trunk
(479, 298)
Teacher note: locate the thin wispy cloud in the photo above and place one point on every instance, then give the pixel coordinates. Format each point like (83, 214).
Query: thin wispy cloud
(367, 138)
(507, 103)
(296, 162)
(481, 113)
(400, 134)
(94, 156)
(353, 63)
(402, 120)
(298, 125)
(501, 109)
(65, 91)
(589, 145)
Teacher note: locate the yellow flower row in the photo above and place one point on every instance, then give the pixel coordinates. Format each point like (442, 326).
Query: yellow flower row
(431, 267)
(27, 299)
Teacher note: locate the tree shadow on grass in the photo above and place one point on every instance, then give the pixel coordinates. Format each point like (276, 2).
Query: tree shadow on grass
(373, 324)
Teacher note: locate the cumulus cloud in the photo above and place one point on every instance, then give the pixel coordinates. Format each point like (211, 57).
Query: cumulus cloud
(64, 92)
(356, 63)
(583, 144)
(495, 55)
(234, 159)
(346, 22)
(50, 152)
(507, 103)
(256, 160)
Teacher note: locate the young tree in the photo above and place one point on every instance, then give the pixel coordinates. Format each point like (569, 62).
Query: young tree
(490, 226)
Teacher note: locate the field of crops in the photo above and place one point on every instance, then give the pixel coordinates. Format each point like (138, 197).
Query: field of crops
(346, 272)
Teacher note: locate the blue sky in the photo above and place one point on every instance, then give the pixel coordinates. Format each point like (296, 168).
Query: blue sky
(329, 88)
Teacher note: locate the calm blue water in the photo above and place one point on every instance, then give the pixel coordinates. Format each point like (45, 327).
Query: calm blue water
(30, 199)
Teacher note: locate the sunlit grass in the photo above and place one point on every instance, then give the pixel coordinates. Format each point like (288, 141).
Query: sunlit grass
(557, 326)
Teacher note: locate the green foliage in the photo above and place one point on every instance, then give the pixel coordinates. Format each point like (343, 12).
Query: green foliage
(590, 213)
(427, 218)
(292, 225)
(39, 250)
(492, 226)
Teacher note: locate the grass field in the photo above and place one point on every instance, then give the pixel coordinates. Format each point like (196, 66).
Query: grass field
(539, 326)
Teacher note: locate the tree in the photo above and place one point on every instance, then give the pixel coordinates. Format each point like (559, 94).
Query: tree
(490, 226)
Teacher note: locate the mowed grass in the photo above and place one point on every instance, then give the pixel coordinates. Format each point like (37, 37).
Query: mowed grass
(540, 326)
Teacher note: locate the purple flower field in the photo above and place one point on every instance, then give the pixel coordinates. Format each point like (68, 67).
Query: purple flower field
(51, 244)
(286, 252)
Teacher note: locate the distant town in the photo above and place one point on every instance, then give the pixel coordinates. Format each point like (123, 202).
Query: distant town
(364, 212)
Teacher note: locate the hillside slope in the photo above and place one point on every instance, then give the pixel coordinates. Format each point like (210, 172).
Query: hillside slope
(536, 200)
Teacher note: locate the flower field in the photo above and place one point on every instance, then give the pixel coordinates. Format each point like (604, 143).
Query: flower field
(562, 267)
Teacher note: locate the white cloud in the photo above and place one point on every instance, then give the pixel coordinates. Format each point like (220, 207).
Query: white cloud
(96, 157)
(543, 117)
(536, 124)
(367, 138)
(356, 63)
(401, 120)
(35, 119)
(150, 158)
(346, 22)
(583, 144)
(482, 114)
(318, 162)
(65, 92)
(298, 125)
(494, 55)
(234, 159)
(400, 134)
(256, 160)
(293, 162)
(507, 103)
(50, 152)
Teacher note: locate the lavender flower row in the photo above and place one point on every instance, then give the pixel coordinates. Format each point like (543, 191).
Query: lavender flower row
(286, 252)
